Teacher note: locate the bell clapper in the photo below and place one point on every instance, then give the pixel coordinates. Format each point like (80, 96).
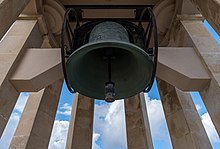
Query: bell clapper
(109, 92)
(109, 86)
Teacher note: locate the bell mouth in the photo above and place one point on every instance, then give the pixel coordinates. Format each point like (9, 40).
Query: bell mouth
(131, 69)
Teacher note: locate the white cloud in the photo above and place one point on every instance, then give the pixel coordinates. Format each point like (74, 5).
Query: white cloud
(198, 107)
(9, 130)
(21, 102)
(95, 138)
(157, 120)
(114, 133)
(109, 124)
(210, 128)
(13, 121)
(100, 113)
(65, 109)
(147, 98)
(59, 135)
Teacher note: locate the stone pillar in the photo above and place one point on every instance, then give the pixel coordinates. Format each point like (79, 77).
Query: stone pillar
(9, 11)
(210, 9)
(81, 123)
(184, 124)
(36, 123)
(209, 51)
(137, 123)
(23, 34)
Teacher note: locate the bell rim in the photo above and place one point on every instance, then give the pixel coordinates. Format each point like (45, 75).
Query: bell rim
(114, 44)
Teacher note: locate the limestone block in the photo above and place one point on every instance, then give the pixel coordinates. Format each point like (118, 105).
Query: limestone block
(23, 34)
(8, 98)
(104, 2)
(137, 123)
(189, 8)
(210, 9)
(33, 7)
(54, 13)
(188, 75)
(36, 123)
(81, 123)
(184, 124)
(44, 67)
(9, 11)
(209, 51)
(182, 67)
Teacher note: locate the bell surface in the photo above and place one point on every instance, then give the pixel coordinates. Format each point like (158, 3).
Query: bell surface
(87, 67)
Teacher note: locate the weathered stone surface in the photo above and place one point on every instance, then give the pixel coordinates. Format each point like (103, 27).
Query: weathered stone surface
(36, 123)
(41, 73)
(81, 123)
(210, 9)
(137, 123)
(104, 2)
(23, 34)
(33, 7)
(184, 124)
(8, 98)
(186, 75)
(209, 51)
(9, 11)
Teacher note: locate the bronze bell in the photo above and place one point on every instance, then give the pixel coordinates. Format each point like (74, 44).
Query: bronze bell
(109, 66)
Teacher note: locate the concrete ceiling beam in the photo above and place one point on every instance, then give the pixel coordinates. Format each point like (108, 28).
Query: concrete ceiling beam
(13, 9)
(180, 67)
(108, 2)
(210, 9)
(37, 69)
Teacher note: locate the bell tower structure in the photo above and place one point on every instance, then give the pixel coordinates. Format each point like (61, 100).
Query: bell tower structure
(30, 61)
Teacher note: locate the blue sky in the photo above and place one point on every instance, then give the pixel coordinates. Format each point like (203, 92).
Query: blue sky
(109, 121)
(212, 31)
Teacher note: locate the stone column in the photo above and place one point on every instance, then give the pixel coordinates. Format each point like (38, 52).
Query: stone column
(209, 51)
(36, 123)
(184, 124)
(81, 123)
(23, 34)
(9, 11)
(137, 123)
(210, 9)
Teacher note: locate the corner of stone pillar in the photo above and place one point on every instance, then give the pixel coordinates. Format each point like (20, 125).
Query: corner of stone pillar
(184, 124)
(137, 123)
(81, 123)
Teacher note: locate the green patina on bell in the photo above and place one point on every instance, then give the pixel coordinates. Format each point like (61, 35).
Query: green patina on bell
(88, 66)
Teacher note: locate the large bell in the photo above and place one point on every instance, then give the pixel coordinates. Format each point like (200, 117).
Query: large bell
(109, 57)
